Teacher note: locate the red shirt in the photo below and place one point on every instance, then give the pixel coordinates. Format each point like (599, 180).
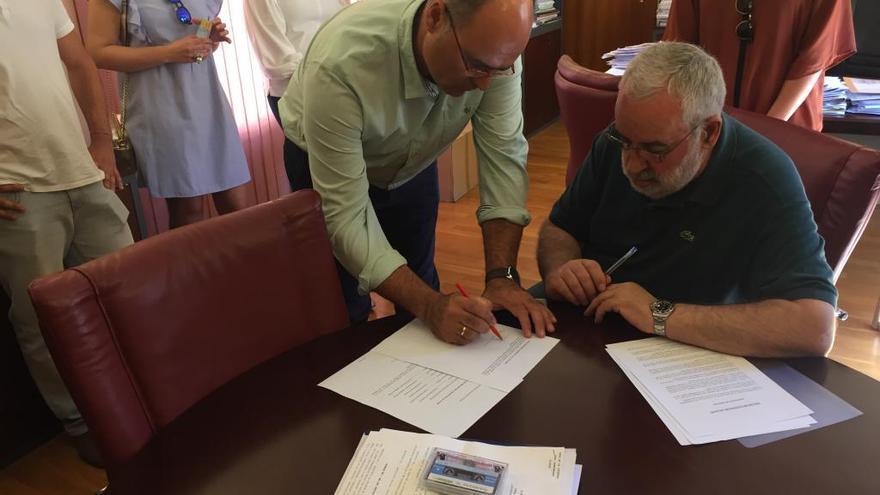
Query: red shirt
(792, 39)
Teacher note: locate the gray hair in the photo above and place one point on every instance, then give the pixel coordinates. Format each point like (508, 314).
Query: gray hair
(685, 71)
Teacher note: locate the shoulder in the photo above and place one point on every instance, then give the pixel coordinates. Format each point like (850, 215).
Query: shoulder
(763, 168)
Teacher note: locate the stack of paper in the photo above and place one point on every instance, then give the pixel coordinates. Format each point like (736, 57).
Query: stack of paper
(663, 12)
(834, 94)
(439, 387)
(864, 96)
(704, 396)
(620, 58)
(391, 461)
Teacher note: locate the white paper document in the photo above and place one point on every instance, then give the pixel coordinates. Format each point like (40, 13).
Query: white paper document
(433, 401)
(439, 387)
(500, 364)
(704, 396)
(392, 462)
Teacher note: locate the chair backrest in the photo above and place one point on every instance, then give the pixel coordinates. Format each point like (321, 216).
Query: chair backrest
(586, 106)
(141, 335)
(841, 179)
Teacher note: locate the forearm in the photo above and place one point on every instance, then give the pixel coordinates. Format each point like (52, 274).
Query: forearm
(771, 328)
(555, 248)
(501, 240)
(792, 95)
(404, 288)
(127, 59)
(89, 95)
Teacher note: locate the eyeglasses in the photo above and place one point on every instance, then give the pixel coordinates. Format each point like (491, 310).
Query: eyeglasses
(656, 153)
(744, 30)
(470, 70)
(181, 12)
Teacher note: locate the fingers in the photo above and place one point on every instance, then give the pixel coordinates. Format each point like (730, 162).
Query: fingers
(579, 281)
(11, 188)
(10, 210)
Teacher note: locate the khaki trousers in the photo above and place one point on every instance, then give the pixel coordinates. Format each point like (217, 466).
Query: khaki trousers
(58, 230)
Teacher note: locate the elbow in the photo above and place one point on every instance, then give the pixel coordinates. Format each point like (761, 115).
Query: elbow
(818, 327)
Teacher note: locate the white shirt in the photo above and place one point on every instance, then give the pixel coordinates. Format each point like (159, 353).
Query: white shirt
(41, 143)
(280, 32)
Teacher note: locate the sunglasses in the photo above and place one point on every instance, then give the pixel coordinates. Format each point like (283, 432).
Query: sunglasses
(745, 31)
(181, 12)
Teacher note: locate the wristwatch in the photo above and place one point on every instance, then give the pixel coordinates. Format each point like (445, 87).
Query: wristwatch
(660, 311)
(508, 272)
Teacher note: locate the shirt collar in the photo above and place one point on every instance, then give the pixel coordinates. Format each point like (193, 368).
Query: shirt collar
(415, 86)
(708, 187)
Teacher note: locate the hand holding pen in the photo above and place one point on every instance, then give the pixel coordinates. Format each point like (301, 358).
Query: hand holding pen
(579, 281)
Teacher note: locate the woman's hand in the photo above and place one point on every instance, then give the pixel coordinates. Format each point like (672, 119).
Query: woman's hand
(188, 49)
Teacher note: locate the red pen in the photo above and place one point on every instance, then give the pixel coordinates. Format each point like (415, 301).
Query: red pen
(491, 327)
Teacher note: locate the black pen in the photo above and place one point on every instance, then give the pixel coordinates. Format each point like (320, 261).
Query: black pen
(633, 250)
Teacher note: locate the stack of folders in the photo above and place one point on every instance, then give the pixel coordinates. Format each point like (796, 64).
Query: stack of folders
(620, 58)
(545, 11)
(663, 12)
(704, 396)
(834, 95)
(391, 461)
(864, 96)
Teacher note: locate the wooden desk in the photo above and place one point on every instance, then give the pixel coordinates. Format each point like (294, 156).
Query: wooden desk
(852, 124)
(274, 431)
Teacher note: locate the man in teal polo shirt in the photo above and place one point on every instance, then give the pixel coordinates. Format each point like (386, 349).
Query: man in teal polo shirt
(384, 88)
(728, 253)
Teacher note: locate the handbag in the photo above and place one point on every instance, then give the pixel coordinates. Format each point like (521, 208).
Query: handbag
(126, 162)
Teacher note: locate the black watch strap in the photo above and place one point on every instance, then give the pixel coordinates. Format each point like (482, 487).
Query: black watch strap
(508, 272)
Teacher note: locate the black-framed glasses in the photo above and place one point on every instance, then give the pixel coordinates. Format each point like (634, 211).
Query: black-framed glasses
(470, 70)
(652, 152)
(181, 12)
(745, 31)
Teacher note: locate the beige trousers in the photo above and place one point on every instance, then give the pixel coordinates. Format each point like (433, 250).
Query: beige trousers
(58, 230)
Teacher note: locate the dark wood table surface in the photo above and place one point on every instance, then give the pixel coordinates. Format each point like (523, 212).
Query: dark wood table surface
(274, 431)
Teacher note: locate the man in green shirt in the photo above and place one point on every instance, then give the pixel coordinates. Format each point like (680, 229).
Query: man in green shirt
(729, 257)
(384, 88)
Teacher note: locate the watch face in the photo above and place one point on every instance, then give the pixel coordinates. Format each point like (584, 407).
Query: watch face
(662, 307)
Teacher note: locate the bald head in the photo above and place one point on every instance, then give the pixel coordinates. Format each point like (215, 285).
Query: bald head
(463, 44)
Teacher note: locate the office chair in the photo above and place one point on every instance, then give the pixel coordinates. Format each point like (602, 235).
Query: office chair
(141, 335)
(841, 179)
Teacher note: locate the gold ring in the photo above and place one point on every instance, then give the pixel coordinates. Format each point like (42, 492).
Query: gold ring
(464, 329)
(198, 59)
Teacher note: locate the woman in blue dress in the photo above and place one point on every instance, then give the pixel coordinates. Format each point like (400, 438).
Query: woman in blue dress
(177, 116)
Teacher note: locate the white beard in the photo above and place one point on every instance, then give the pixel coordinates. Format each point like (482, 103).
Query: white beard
(674, 180)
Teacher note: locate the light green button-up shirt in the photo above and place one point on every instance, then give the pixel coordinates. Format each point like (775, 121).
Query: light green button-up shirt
(366, 116)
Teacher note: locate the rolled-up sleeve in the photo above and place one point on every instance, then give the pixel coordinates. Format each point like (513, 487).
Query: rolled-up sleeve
(502, 151)
(332, 124)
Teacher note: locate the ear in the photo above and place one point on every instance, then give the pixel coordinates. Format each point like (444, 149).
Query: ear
(434, 16)
(712, 127)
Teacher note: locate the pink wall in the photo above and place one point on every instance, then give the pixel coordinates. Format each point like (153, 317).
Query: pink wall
(242, 80)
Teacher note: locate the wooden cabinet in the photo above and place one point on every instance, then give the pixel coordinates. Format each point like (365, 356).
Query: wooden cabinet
(540, 107)
(594, 27)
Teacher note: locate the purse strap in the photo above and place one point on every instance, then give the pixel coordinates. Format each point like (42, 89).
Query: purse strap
(125, 38)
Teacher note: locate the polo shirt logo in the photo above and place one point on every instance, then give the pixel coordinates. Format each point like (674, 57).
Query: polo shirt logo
(687, 235)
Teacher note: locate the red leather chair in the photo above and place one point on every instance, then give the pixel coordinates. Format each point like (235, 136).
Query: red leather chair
(586, 106)
(842, 179)
(142, 334)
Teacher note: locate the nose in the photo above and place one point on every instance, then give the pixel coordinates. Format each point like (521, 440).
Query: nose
(634, 163)
(482, 82)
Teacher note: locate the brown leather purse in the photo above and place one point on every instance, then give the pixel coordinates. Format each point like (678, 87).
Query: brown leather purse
(126, 162)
